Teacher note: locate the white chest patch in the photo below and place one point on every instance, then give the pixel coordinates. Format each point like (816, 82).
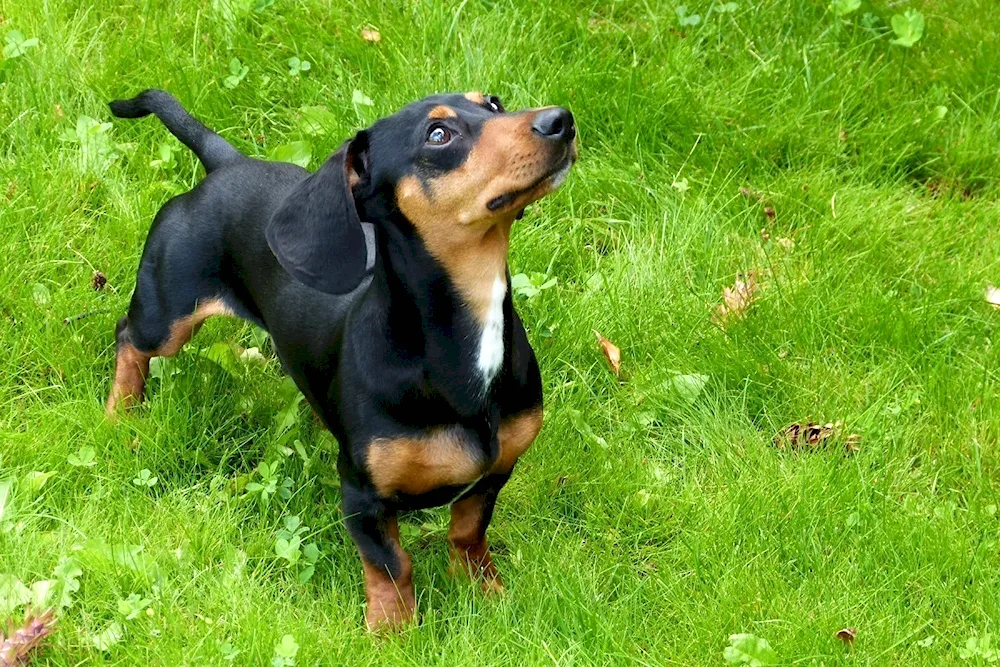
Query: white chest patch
(491, 342)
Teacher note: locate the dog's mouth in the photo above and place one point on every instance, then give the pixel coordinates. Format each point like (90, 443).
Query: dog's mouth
(551, 179)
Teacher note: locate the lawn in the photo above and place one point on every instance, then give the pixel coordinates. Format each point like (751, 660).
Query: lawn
(658, 513)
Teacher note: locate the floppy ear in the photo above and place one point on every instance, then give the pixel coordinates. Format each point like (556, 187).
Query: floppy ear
(316, 234)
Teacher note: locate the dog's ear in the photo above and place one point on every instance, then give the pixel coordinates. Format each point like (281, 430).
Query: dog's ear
(316, 233)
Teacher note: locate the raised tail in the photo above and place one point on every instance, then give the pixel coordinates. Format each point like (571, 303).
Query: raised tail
(211, 149)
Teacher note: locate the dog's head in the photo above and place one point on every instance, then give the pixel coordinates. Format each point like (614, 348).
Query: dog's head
(457, 168)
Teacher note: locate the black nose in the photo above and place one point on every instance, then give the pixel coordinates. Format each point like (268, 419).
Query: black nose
(555, 123)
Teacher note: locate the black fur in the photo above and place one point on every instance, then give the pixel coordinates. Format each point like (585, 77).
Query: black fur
(316, 233)
(213, 151)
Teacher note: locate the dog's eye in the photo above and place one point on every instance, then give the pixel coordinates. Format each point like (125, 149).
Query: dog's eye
(494, 104)
(438, 135)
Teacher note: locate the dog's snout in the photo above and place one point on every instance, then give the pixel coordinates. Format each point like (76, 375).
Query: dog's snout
(555, 123)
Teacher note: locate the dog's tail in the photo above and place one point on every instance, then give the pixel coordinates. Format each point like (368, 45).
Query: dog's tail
(211, 149)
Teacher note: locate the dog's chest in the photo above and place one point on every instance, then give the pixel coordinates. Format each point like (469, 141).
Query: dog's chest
(415, 465)
(490, 352)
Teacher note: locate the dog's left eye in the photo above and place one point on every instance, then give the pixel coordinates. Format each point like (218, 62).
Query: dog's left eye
(438, 136)
(494, 104)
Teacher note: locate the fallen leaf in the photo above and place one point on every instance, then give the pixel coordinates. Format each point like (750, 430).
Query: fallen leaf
(737, 299)
(611, 353)
(20, 643)
(98, 281)
(847, 635)
(810, 435)
(769, 213)
(370, 34)
(993, 296)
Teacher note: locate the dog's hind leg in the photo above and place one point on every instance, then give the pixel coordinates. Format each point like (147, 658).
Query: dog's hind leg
(139, 338)
(134, 350)
(131, 369)
(176, 289)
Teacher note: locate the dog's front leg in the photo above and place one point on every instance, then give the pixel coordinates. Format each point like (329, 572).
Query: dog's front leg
(469, 548)
(387, 568)
(471, 514)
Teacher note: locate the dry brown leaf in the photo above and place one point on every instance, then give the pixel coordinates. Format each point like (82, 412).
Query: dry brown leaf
(737, 299)
(798, 435)
(769, 213)
(847, 635)
(21, 644)
(810, 435)
(992, 296)
(611, 353)
(370, 34)
(98, 281)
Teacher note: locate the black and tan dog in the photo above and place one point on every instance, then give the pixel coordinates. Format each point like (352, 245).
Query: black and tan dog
(382, 279)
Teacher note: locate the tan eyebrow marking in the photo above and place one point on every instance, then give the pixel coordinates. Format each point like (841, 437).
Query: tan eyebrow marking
(441, 111)
(475, 96)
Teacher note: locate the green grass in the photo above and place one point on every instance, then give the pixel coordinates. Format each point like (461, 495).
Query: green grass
(641, 527)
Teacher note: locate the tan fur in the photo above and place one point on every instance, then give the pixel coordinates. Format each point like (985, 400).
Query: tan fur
(418, 465)
(185, 328)
(131, 369)
(442, 111)
(516, 435)
(451, 215)
(390, 602)
(468, 546)
(132, 364)
(475, 97)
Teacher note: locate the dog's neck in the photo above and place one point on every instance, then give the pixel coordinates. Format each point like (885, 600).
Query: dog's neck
(455, 290)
